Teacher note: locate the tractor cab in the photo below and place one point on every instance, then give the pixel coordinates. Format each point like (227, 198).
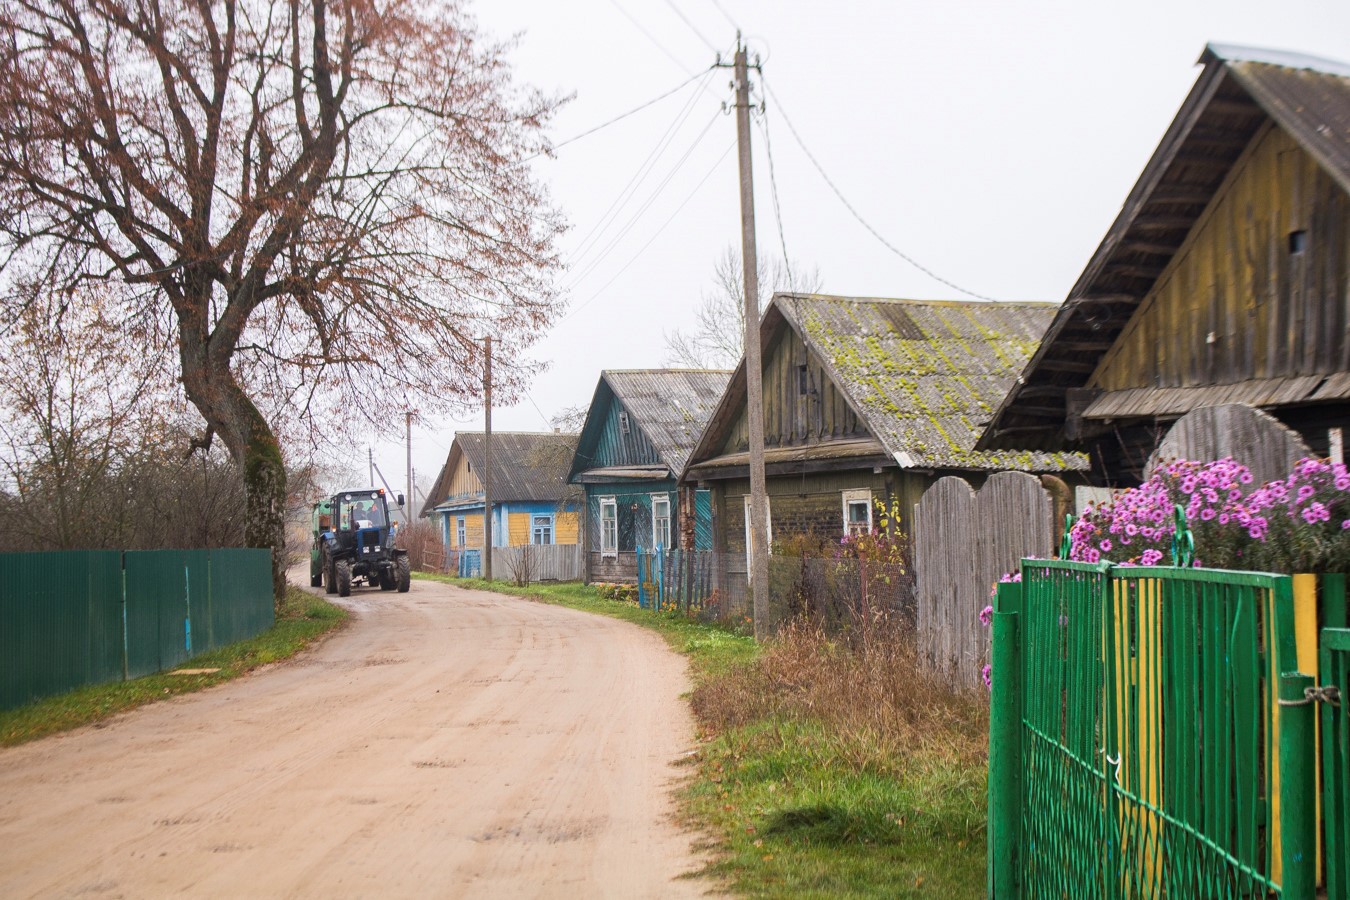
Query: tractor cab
(354, 544)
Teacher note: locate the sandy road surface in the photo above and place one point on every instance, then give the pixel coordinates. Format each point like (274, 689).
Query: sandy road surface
(450, 744)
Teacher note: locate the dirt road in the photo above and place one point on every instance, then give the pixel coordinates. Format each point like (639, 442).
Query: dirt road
(449, 744)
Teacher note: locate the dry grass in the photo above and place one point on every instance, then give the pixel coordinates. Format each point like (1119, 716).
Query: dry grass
(881, 710)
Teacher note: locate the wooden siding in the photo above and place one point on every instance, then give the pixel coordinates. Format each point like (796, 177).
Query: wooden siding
(1235, 303)
(463, 481)
(614, 448)
(518, 529)
(790, 417)
(566, 528)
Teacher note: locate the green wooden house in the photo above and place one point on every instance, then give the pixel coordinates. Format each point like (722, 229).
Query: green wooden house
(639, 430)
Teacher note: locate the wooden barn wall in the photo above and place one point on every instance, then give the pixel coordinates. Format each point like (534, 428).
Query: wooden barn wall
(614, 448)
(790, 417)
(1235, 303)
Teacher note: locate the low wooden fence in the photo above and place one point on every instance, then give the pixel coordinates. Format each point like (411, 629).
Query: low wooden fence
(526, 564)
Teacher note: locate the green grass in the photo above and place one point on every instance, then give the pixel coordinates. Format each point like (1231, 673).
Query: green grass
(810, 803)
(302, 618)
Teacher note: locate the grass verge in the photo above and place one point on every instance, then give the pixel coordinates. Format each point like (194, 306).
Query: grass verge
(302, 618)
(823, 770)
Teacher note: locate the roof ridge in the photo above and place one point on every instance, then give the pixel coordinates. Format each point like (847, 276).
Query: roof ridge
(1288, 59)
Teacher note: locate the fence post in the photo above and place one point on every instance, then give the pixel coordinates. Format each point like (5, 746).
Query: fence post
(1298, 825)
(1005, 747)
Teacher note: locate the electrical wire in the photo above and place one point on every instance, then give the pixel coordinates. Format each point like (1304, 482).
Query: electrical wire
(657, 234)
(651, 37)
(616, 205)
(685, 20)
(619, 118)
(777, 206)
(849, 206)
(623, 232)
(726, 15)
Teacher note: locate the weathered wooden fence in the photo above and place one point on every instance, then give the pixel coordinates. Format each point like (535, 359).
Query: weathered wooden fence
(963, 542)
(524, 564)
(1256, 439)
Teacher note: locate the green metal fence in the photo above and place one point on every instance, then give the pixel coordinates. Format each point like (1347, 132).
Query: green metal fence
(85, 617)
(1335, 663)
(1148, 737)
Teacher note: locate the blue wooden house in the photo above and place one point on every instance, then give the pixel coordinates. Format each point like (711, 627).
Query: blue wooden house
(639, 431)
(531, 499)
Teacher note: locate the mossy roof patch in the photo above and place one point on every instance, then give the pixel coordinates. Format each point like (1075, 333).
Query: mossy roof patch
(927, 375)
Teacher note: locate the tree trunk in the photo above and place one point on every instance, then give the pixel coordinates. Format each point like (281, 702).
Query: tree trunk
(211, 386)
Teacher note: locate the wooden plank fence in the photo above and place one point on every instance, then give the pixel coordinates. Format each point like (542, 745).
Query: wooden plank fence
(964, 541)
(525, 564)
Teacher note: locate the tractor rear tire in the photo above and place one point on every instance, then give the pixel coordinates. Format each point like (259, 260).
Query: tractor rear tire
(403, 574)
(329, 575)
(344, 578)
(388, 579)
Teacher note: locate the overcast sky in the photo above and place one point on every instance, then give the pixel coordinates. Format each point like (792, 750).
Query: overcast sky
(992, 142)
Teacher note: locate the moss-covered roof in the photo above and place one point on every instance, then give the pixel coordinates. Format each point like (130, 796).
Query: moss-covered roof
(926, 376)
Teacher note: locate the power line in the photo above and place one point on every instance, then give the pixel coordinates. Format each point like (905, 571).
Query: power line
(685, 20)
(726, 15)
(619, 118)
(849, 206)
(679, 164)
(777, 207)
(650, 240)
(651, 37)
(603, 223)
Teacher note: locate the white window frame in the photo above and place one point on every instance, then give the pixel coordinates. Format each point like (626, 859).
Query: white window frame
(536, 528)
(461, 530)
(609, 527)
(768, 529)
(661, 536)
(851, 498)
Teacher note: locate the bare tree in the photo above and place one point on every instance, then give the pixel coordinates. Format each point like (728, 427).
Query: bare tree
(287, 193)
(717, 340)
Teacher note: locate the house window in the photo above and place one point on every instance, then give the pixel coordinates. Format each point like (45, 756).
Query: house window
(661, 520)
(542, 530)
(768, 530)
(609, 527)
(803, 381)
(857, 512)
(459, 532)
(623, 423)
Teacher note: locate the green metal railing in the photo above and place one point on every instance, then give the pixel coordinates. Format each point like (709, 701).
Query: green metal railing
(72, 618)
(1147, 736)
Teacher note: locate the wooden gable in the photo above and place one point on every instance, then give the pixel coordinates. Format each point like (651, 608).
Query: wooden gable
(621, 441)
(1259, 289)
(802, 404)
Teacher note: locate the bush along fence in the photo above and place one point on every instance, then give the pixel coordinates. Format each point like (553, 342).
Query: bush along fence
(72, 618)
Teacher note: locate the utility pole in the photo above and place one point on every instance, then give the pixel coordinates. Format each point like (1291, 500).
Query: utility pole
(486, 474)
(754, 372)
(407, 510)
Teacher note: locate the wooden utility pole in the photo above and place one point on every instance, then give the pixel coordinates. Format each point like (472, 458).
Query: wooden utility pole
(754, 373)
(486, 475)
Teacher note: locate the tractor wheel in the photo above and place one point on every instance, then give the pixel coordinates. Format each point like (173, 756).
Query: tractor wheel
(329, 576)
(388, 579)
(344, 578)
(404, 574)
(316, 578)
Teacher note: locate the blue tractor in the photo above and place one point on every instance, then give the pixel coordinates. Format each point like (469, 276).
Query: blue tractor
(354, 544)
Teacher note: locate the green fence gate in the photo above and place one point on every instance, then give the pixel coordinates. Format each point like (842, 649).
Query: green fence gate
(1150, 736)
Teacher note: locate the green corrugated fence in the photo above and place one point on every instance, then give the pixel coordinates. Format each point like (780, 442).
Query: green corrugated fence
(78, 617)
(1149, 737)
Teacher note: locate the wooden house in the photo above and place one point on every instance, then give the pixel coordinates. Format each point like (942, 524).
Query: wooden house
(866, 400)
(1225, 278)
(639, 431)
(531, 502)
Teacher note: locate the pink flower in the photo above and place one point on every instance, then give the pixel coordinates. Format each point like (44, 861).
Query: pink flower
(986, 616)
(987, 675)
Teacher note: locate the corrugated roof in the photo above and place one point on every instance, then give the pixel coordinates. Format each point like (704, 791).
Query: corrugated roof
(526, 465)
(924, 376)
(1239, 90)
(671, 406)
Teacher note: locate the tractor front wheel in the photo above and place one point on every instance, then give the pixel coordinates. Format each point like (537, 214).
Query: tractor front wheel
(388, 579)
(329, 575)
(403, 574)
(344, 578)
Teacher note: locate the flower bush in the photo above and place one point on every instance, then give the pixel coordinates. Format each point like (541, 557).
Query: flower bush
(1296, 524)
(622, 593)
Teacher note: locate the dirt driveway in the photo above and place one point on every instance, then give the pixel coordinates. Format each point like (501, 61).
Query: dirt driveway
(450, 743)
